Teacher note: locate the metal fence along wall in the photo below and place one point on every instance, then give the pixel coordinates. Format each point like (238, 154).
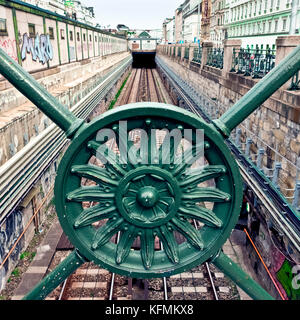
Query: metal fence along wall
(39, 39)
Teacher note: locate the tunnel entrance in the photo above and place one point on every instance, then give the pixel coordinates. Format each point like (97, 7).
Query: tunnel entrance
(144, 59)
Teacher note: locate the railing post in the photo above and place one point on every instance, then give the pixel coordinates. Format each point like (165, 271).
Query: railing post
(238, 137)
(296, 195)
(248, 146)
(206, 46)
(191, 55)
(276, 174)
(284, 45)
(261, 153)
(229, 45)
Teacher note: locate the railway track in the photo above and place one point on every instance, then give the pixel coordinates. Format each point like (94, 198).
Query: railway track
(90, 282)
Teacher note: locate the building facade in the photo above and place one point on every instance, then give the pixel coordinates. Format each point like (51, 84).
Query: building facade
(191, 20)
(71, 9)
(260, 22)
(218, 31)
(178, 25)
(169, 30)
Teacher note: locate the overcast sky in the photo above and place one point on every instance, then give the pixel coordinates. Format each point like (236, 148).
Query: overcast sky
(135, 14)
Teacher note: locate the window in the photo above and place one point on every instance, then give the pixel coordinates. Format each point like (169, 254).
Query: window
(84, 37)
(283, 24)
(62, 33)
(51, 33)
(3, 27)
(276, 26)
(90, 38)
(278, 4)
(95, 38)
(264, 27)
(260, 6)
(270, 26)
(31, 30)
(71, 35)
(78, 36)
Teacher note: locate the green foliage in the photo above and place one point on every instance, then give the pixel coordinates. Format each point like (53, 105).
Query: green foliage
(16, 272)
(28, 255)
(118, 94)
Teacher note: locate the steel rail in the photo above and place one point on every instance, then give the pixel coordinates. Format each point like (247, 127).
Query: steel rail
(27, 166)
(211, 280)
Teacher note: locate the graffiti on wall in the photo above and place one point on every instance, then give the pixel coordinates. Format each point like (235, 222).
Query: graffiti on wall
(10, 47)
(288, 277)
(40, 48)
(9, 233)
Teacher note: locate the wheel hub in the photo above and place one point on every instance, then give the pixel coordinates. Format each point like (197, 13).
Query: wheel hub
(148, 197)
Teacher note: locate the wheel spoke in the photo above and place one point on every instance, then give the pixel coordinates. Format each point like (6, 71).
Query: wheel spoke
(94, 173)
(90, 194)
(202, 214)
(207, 194)
(208, 172)
(124, 245)
(107, 156)
(184, 161)
(147, 248)
(104, 233)
(94, 214)
(169, 243)
(189, 232)
(167, 150)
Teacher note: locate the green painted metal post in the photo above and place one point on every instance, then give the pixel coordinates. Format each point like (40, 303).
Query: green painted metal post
(72, 262)
(16, 29)
(87, 42)
(68, 42)
(259, 93)
(58, 44)
(38, 95)
(242, 279)
(75, 39)
(82, 53)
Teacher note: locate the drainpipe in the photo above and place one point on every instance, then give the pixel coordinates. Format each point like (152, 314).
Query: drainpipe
(293, 19)
(198, 31)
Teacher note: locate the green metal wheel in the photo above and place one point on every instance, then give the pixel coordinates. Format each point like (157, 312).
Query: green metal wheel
(130, 206)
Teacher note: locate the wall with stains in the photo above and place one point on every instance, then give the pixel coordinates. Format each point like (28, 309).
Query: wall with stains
(39, 40)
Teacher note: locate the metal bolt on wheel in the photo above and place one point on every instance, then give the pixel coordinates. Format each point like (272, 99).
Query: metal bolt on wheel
(145, 197)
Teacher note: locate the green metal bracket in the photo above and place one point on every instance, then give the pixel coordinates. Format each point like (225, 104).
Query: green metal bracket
(71, 263)
(239, 277)
(147, 200)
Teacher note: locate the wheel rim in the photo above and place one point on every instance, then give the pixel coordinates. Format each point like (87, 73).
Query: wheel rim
(147, 202)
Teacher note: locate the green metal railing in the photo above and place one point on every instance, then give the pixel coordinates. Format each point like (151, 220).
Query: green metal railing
(187, 53)
(295, 83)
(253, 62)
(215, 57)
(179, 52)
(197, 56)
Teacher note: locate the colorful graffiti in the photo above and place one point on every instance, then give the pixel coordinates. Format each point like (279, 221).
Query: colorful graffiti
(40, 47)
(9, 233)
(289, 278)
(10, 47)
